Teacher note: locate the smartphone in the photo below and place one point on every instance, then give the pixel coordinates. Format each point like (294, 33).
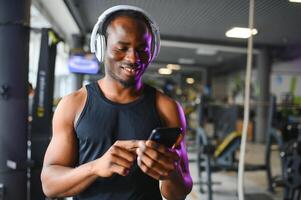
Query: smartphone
(167, 136)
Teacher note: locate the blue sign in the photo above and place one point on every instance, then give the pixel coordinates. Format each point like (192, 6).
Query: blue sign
(86, 64)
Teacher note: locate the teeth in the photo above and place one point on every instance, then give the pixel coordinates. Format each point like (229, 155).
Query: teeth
(129, 69)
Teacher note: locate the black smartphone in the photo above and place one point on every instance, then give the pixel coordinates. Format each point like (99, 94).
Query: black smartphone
(167, 136)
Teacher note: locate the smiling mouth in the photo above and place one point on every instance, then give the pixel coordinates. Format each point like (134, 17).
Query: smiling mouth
(130, 69)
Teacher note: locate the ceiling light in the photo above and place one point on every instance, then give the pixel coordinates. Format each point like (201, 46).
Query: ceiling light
(165, 71)
(186, 61)
(295, 1)
(190, 80)
(240, 32)
(190, 45)
(173, 67)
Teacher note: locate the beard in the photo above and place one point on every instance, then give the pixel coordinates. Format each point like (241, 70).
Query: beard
(125, 83)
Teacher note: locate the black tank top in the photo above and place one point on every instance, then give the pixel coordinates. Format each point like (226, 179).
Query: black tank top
(100, 124)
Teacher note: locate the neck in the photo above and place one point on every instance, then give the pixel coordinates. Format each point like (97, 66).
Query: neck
(116, 92)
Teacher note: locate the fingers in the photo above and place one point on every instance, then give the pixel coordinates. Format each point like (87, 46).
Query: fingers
(130, 145)
(162, 170)
(117, 160)
(156, 160)
(118, 169)
(154, 148)
(151, 172)
(121, 160)
(122, 153)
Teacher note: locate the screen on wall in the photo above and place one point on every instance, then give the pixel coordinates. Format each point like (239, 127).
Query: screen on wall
(83, 63)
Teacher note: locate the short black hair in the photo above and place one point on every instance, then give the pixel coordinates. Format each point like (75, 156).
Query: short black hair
(128, 13)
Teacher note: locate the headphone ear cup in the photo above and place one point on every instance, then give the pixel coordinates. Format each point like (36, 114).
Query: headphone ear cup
(100, 47)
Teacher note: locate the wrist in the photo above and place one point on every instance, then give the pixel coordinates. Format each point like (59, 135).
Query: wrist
(92, 168)
(175, 182)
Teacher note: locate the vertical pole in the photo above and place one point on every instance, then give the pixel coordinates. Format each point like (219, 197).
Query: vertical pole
(77, 47)
(263, 75)
(42, 111)
(14, 51)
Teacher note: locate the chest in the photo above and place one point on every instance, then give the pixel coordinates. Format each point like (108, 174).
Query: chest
(103, 122)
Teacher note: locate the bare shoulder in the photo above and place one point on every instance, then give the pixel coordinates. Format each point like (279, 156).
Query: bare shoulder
(62, 148)
(74, 97)
(170, 110)
(165, 102)
(71, 105)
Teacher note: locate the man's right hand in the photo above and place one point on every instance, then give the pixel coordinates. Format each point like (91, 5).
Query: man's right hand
(117, 160)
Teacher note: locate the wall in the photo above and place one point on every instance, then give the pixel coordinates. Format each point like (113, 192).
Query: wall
(282, 75)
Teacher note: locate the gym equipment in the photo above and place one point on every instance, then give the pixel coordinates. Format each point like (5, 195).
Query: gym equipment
(273, 136)
(289, 147)
(291, 158)
(14, 53)
(98, 41)
(288, 140)
(211, 158)
(40, 127)
(224, 153)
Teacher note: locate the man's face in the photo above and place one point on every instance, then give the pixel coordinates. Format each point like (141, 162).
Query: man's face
(128, 50)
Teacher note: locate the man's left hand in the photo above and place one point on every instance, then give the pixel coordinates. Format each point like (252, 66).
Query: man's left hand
(156, 160)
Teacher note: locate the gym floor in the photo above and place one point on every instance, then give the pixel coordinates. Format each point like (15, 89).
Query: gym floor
(225, 183)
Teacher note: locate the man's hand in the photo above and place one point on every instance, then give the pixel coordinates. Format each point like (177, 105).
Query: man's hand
(156, 160)
(117, 160)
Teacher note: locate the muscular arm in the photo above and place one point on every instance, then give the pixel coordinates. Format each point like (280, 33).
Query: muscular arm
(60, 177)
(180, 183)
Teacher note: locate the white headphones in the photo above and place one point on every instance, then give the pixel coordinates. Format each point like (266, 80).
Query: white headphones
(98, 42)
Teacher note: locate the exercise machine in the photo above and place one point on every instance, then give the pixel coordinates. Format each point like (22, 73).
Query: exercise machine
(291, 158)
(211, 157)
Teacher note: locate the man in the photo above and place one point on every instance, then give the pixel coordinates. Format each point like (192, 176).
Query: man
(99, 148)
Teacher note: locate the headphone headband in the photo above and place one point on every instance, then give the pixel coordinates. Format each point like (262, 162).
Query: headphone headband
(95, 36)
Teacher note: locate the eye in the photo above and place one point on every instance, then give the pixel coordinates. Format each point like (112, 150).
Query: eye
(121, 48)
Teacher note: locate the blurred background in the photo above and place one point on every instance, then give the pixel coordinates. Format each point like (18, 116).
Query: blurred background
(44, 48)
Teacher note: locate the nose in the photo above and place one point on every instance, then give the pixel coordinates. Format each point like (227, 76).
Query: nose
(132, 56)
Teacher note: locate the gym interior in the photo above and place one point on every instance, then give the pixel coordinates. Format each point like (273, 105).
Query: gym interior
(203, 63)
